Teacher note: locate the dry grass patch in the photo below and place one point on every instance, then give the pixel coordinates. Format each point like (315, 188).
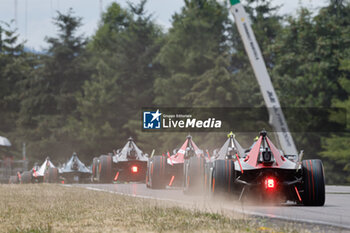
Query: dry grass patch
(54, 208)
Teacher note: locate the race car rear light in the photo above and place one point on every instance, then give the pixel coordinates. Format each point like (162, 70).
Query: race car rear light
(134, 169)
(270, 183)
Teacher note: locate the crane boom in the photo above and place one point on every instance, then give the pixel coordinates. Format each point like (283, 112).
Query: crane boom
(276, 117)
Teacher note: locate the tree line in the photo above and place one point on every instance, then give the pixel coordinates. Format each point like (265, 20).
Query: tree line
(85, 94)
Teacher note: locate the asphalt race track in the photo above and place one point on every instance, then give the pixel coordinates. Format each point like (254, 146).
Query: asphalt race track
(335, 212)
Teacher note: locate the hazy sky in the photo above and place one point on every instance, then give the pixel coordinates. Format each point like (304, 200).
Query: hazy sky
(34, 17)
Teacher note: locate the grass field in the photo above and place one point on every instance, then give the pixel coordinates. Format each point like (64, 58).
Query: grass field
(55, 208)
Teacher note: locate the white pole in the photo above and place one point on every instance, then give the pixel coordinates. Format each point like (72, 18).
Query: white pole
(101, 7)
(24, 153)
(16, 20)
(277, 119)
(26, 19)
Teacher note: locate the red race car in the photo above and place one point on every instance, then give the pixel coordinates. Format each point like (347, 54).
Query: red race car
(127, 164)
(178, 169)
(266, 174)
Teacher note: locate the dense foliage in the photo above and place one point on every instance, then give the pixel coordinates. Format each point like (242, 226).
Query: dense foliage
(86, 94)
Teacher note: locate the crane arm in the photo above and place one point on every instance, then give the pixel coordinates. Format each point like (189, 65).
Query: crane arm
(276, 116)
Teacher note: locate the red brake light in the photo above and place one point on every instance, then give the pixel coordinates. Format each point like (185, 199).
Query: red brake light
(134, 169)
(270, 183)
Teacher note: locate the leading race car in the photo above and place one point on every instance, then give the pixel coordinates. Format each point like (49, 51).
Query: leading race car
(127, 164)
(265, 173)
(180, 169)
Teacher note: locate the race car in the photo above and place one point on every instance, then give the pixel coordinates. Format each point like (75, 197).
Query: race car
(74, 171)
(225, 156)
(265, 174)
(180, 169)
(47, 172)
(128, 164)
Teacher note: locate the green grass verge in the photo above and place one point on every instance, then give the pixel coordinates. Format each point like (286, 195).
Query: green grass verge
(54, 208)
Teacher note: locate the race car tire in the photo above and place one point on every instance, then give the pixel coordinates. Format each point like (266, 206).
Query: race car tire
(157, 177)
(313, 183)
(13, 180)
(105, 169)
(94, 169)
(26, 177)
(223, 176)
(51, 175)
(195, 174)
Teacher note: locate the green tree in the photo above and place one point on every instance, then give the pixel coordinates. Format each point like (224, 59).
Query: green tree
(308, 52)
(206, 64)
(16, 65)
(195, 58)
(336, 147)
(122, 56)
(11, 60)
(50, 98)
